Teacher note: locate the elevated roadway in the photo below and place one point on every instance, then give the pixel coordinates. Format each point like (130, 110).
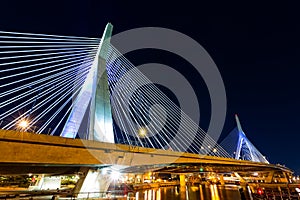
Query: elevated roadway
(23, 152)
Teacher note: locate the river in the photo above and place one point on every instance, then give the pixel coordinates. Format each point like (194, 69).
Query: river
(201, 192)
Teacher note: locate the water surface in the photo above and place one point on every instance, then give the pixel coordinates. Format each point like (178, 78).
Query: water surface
(201, 192)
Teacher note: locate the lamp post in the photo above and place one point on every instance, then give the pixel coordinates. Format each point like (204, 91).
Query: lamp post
(23, 125)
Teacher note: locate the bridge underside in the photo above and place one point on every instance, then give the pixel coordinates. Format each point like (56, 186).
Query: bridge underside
(195, 167)
(31, 153)
(53, 170)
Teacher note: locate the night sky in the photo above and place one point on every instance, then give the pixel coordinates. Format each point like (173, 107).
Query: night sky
(255, 46)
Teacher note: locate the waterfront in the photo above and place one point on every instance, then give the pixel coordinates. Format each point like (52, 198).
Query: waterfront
(175, 192)
(201, 192)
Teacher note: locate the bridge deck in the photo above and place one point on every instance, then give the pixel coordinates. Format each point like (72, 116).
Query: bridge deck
(52, 152)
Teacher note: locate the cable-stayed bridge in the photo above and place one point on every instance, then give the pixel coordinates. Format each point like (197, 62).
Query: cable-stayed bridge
(105, 111)
(51, 84)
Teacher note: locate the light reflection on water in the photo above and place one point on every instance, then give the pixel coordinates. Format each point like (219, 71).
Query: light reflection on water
(201, 192)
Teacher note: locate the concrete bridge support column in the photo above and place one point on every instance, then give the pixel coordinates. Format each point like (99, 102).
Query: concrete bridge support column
(39, 182)
(285, 177)
(270, 176)
(240, 178)
(182, 180)
(280, 192)
(222, 179)
(93, 184)
(82, 174)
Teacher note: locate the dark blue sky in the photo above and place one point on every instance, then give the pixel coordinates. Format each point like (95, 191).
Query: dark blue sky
(256, 47)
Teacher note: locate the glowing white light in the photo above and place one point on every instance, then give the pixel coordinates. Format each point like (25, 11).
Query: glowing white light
(104, 171)
(255, 174)
(115, 175)
(142, 132)
(23, 124)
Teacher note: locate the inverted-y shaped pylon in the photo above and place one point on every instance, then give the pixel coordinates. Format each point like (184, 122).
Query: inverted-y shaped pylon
(240, 147)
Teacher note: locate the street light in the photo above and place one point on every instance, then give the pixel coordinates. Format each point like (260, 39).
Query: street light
(142, 132)
(23, 124)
